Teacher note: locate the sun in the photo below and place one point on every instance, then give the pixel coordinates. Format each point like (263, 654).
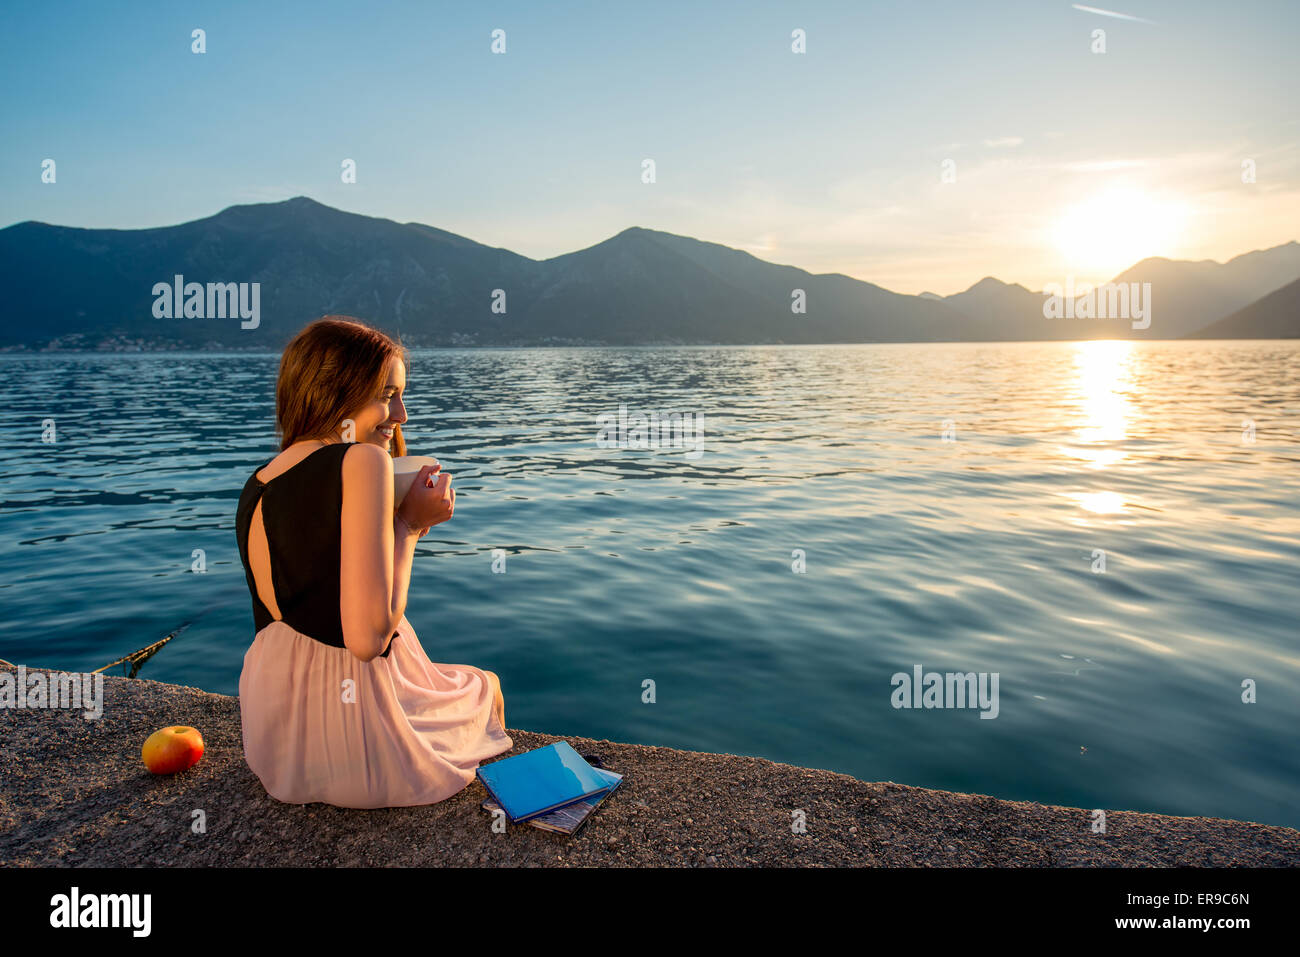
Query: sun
(1111, 230)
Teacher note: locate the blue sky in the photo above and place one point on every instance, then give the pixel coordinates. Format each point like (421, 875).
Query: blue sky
(1066, 161)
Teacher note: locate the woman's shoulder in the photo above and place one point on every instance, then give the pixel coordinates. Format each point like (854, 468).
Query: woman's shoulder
(364, 452)
(366, 464)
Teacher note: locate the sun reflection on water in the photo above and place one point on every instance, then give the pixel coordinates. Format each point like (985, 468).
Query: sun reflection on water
(1103, 379)
(1100, 503)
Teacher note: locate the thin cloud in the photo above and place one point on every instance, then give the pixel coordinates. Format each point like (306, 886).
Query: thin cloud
(1004, 141)
(1110, 13)
(1101, 166)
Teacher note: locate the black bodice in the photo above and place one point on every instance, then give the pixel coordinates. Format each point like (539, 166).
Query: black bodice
(302, 514)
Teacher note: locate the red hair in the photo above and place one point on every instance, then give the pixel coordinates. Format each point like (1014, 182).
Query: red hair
(331, 369)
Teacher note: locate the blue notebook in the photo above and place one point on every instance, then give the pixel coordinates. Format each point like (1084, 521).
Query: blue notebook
(541, 780)
(569, 818)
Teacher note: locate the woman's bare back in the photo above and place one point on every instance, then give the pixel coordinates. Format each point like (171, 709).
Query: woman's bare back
(259, 552)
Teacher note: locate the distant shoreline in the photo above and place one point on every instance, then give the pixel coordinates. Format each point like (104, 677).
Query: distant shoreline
(23, 350)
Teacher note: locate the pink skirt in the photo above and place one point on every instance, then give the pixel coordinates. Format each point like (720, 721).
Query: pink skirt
(319, 724)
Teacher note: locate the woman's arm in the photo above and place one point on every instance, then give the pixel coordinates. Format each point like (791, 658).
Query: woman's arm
(404, 540)
(376, 552)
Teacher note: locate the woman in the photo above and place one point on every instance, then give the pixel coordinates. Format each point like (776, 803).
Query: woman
(338, 700)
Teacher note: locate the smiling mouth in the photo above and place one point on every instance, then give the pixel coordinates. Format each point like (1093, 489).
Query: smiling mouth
(386, 433)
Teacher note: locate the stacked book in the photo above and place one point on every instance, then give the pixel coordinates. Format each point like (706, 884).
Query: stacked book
(552, 788)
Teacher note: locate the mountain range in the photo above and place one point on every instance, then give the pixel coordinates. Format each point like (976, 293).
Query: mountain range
(1276, 316)
(66, 287)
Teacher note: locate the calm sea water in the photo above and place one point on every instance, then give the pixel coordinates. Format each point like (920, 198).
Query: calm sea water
(1119, 688)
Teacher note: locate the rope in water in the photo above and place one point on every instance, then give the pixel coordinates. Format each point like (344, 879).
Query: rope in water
(137, 658)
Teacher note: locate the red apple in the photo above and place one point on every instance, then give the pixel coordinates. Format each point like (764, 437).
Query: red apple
(172, 749)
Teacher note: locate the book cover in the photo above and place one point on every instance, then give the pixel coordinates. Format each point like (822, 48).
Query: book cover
(570, 817)
(538, 781)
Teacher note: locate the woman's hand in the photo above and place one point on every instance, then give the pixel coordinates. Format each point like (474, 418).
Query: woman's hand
(431, 500)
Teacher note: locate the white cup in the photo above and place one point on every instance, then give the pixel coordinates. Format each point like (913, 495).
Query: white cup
(405, 469)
